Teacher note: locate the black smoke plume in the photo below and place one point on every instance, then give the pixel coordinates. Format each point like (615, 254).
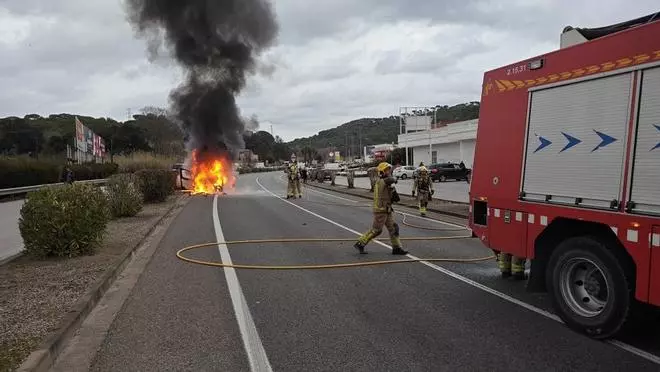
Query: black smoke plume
(217, 42)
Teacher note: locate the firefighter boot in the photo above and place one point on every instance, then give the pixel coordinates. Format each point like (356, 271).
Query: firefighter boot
(399, 251)
(360, 247)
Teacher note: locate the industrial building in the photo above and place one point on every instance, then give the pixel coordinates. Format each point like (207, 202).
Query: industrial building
(448, 142)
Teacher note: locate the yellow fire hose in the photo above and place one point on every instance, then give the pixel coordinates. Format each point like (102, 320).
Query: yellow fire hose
(180, 255)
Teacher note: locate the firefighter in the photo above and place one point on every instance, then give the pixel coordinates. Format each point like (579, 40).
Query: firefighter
(384, 195)
(293, 187)
(373, 177)
(423, 186)
(511, 266)
(303, 173)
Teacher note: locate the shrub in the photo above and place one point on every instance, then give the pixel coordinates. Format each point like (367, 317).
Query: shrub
(23, 171)
(124, 196)
(63, 221)
(156, 184)
(140, 160)
(92, 171)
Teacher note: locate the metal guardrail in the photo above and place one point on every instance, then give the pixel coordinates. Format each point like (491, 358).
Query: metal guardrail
(26, 189)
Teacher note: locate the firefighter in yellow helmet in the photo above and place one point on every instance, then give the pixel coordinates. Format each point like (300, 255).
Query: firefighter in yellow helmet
(423, 186)
(293, 176)
(384, 196)
(511, 266)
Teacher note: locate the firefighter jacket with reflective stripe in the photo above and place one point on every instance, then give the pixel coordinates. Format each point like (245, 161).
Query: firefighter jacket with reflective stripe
(383, 195)
(293, 171)
(423, 184)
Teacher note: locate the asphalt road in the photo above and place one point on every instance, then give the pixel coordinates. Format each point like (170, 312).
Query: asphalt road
(456, 191)
(402, 317)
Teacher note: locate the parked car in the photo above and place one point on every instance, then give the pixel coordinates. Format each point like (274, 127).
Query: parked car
(449, 171)
(404, 172)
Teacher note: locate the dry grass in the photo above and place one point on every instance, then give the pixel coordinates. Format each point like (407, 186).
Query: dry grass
(145, 160)
(36, 294)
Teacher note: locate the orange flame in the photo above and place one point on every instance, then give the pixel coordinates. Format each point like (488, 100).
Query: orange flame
(210, 175)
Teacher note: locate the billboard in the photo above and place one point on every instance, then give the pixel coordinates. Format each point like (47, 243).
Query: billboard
(80, 136)
(88, 143)
(417, 123)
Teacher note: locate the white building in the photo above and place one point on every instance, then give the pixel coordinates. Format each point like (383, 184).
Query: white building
(453, 142)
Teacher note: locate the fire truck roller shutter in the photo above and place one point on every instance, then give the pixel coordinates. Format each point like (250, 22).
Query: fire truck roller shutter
(575, 142)
(645, 191)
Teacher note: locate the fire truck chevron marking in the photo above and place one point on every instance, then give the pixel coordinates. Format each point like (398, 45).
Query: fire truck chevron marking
(572, 141)
(605, 140)
(544, 143)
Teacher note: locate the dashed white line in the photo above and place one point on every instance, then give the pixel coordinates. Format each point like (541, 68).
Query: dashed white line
(621, 345)
(254, 348)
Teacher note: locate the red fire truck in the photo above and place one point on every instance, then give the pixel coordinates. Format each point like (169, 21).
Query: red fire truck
(567, 171)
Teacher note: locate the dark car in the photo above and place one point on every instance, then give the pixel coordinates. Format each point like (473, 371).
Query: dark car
(449, 171)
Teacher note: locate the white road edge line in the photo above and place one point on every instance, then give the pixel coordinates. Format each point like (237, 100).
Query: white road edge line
(621, 345)
(254, 348)
(404, 213)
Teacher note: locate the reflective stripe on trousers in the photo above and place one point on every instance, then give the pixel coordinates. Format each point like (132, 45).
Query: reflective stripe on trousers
(380, 220)
(510, 263)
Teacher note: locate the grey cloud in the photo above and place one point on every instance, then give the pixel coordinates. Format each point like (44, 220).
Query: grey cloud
(319, 76)
(308, 20)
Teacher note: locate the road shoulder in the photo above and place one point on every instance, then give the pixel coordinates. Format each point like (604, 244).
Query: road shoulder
(44, 301)
(81, 349)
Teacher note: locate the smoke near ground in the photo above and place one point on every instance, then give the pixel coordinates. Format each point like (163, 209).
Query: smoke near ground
(217, 43)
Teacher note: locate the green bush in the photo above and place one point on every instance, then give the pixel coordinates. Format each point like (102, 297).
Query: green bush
(156, 184)
(92, 171)
(143, 160)
(63, 221)
(124, 196)
(21, 171)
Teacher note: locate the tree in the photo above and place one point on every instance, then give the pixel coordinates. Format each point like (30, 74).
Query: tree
(260, 143)
(128, 138)
(18, 136)
(56, 144)
(308, 153)
(281, 151)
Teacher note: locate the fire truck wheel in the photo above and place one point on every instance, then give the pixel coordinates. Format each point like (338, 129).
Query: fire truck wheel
(589, 287)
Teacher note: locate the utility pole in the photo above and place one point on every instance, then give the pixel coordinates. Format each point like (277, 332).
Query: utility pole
(430, 143)
(401, 123)
(360, 138)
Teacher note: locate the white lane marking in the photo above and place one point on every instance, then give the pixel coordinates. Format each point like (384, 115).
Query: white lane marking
(254, 348)
(639, 352)
(404, 213)
(621, 345)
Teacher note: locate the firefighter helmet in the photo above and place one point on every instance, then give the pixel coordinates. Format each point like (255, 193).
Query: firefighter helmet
(423, 169)
(382, 167)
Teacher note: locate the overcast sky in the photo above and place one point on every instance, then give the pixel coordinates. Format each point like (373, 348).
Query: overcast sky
(336, 60)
